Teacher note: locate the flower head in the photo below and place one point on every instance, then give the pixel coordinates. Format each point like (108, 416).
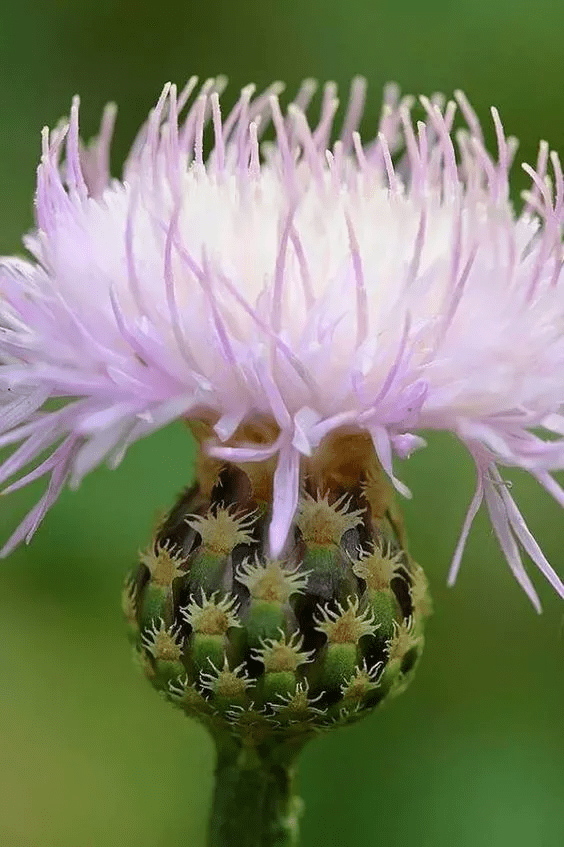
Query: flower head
(385, 287)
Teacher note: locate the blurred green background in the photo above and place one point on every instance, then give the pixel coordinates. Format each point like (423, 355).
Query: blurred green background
(473, 754)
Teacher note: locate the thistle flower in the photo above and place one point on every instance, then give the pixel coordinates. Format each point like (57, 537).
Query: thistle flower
(379, 287)
(307, 306)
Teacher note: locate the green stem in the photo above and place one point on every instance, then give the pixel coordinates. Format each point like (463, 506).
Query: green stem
(254, 804)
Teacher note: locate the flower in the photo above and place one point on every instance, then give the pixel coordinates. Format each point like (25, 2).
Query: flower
(385, 287)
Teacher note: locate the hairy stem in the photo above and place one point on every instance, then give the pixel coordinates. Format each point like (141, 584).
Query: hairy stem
(253, 804)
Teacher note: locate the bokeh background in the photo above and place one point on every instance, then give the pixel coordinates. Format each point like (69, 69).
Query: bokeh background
(473, 755)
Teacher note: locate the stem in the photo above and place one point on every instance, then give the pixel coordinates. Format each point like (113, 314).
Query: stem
(253, 804)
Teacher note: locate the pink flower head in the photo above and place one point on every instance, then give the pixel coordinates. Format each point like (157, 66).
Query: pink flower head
(388, 286)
